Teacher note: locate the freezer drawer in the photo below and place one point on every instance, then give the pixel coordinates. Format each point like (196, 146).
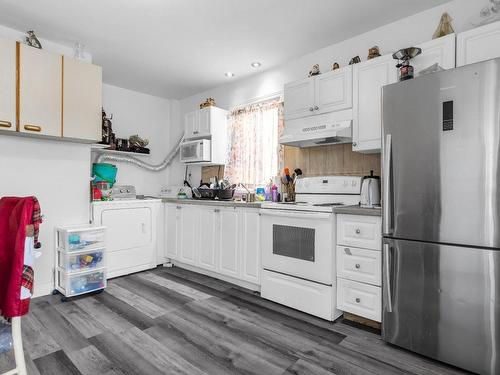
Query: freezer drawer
(443, 302)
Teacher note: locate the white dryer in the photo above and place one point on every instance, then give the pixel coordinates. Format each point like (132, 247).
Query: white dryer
(132, 233)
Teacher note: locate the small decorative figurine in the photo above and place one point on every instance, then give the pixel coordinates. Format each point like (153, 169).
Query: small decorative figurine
(107, 131)
(335, 66)
(32, 40)
(444, 27)
(355, 60)
(314, 71)
(373, 52)
(210, 102)
(136, 141)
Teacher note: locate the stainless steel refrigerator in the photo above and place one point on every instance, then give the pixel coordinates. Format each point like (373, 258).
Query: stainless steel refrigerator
(441, 223)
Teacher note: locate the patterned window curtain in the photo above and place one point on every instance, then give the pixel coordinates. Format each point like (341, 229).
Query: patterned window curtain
(254, 154)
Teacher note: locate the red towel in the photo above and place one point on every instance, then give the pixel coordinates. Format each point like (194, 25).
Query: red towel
(15, 214)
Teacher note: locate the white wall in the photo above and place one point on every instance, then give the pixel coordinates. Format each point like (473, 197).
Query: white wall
(57, 173)
(151, 118)
(403, 33)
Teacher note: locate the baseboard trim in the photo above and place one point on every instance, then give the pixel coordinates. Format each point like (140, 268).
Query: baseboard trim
(216, 275)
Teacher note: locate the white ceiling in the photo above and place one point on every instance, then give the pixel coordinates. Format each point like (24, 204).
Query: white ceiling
(176, 48)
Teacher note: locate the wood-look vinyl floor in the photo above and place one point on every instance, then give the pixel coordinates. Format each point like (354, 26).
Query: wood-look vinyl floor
(172, 321)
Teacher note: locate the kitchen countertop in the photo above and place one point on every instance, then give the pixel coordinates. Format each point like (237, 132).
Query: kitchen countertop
(357, 210)
(209, 202)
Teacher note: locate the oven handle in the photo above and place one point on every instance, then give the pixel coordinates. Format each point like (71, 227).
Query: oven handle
(295, 214)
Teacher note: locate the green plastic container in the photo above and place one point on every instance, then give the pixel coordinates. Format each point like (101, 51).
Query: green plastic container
(104, 172)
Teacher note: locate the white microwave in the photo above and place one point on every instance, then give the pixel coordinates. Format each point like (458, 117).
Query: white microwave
(196, 151)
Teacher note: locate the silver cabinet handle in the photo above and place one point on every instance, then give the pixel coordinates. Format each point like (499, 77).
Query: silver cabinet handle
(316, 107)
(216, 210)
(358, 300)
(354, 144)
(178, 207)
(358, 266)
(386, 197)
(196, 132)
(347, 251)
(311, 109)
(387, 270)
(358, 231)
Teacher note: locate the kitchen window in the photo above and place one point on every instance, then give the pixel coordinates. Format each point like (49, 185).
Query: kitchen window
(254, 154)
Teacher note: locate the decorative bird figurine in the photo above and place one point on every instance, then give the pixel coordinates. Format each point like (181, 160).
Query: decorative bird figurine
(32, 40)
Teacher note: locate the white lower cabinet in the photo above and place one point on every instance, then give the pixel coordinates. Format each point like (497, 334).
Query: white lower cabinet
(359, 298)
(187, 233)
(250, 246)
(209, 222)
(228, 245)
(359, 265)
(222, 240)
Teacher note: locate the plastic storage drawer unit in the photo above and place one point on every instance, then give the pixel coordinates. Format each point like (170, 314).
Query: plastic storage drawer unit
(74, 284)
(81, 238)
(81, 261)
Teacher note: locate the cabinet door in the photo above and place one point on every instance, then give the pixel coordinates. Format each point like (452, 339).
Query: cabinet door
(188, 234)
(299, 98)
(82, 100)
(190, 124)
(250, 246)
(204, 121)
(172, 220)
(441, 51)
(7, 84)
(368, 79)
(228, 240)
(479, 44)
(40, 91)
(333, 91)
(209, 220)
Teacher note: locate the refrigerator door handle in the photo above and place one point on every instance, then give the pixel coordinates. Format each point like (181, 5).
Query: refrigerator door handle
(387, 178)
(387, 270)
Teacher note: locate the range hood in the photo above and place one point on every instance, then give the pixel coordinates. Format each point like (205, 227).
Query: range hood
(319, 130)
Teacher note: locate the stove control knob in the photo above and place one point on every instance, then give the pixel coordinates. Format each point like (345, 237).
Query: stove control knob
(121, 190)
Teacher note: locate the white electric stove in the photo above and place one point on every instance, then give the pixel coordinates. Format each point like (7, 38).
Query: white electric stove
(298, 244)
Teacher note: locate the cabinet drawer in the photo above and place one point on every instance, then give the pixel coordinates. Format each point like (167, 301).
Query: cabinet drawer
(359, 231)
(359, 265)
(359, 299)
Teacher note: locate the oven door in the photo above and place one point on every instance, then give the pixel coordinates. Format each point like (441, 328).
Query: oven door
(298, 243)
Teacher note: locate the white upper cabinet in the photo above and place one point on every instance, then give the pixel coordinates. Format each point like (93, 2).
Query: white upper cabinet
(40, 91)
(204, 123)
(324, 93)
(441, 51)
(299, 99)
(7, 84)
(479, 44)
(82, 100)
(368, 79)
(333, 90)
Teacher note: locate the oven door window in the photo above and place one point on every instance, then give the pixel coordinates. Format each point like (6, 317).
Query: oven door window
(294, 242)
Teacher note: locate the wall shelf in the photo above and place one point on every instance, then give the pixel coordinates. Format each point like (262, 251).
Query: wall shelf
(96, 147)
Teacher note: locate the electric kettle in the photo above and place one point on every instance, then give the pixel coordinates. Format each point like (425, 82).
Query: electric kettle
(370, 191)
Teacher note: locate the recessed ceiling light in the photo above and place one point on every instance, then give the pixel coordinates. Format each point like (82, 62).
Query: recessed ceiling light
(229, 74)
(256, 64)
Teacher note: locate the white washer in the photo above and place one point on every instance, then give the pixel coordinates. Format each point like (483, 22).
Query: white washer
(132, 233)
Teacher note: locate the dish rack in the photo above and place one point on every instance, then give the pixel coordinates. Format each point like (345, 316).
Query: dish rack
(80, 260)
